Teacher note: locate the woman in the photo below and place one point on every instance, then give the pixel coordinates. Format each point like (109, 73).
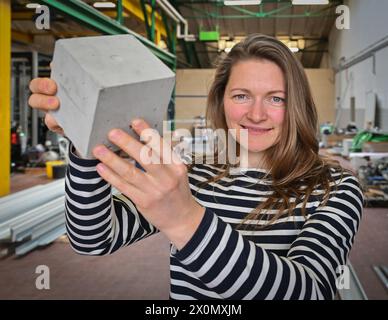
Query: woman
(280, 229)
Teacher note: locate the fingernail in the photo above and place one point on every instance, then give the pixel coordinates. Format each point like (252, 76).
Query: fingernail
(100, 151)
(51, 101)
(100, 167)
(136, 122)
(115, 134)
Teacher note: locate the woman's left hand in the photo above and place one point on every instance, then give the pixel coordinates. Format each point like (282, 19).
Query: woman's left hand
(162, 192)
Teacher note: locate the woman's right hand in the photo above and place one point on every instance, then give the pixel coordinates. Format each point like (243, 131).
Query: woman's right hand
(43, 98)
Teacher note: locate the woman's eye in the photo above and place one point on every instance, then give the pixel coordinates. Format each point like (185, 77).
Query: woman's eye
(278, 100)
(240, 97)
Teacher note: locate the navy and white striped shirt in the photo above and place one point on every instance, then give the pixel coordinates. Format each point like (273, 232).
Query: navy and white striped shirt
(296, 257)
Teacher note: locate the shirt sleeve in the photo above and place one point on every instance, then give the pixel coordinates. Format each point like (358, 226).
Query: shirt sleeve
(235, 268)
(98, 223)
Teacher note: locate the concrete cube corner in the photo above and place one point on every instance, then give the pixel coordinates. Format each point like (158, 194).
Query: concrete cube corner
(103, 83)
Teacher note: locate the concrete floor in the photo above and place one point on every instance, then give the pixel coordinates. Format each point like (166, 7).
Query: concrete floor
(137, 272)
(33, 176)
(371, 248)
(141, 271)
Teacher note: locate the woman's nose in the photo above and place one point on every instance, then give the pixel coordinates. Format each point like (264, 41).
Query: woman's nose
(258, 111)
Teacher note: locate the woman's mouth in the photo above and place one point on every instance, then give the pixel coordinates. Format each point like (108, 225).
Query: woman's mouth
(257, 130)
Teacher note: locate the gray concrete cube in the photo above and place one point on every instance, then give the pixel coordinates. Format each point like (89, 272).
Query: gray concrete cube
(104, 82)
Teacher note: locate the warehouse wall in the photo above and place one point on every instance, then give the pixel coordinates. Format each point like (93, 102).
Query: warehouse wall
(368, 26)
(193, 85)
(322, 87)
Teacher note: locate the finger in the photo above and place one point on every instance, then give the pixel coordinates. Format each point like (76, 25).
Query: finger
(152, 139)
(51, 65)
(121, 167)
(134, 148)
(43, 86)
(52, 124)
(119, 183)
(43, 102)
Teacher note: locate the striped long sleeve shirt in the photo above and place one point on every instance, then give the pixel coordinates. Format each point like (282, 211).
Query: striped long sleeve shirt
(296, 257)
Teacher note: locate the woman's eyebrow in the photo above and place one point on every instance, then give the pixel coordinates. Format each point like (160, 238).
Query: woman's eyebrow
(276, 91)
(239, 89)
(269, 92)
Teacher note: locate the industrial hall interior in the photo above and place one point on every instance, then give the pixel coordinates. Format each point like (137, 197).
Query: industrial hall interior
(172, 63)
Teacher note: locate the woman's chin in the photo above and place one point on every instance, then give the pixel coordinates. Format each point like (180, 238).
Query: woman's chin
(257, 149)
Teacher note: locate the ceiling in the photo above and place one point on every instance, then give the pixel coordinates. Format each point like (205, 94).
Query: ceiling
(278, 18)
(273, 17)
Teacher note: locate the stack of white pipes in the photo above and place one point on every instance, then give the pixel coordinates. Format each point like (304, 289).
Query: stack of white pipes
(32, 217)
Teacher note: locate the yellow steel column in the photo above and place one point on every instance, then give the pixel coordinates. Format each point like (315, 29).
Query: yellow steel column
(157, 36)
(5, 96)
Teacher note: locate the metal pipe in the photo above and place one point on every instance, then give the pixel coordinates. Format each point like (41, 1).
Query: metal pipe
(177, 17)
(46, 227)
(22, 216)
(27, 201)
(173, 10)
(42, 227)
(36, 216)
(363, 55)
(34, 73)
(167, 11)
(10, 228)
(19, 194)
(24, 111)
(381, 273)
(41, 241)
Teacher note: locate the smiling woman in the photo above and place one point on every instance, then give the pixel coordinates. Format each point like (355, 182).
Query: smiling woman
(254, 99)
(280, 229)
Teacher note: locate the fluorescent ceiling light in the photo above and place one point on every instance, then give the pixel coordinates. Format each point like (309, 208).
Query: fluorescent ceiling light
(32, 5)
(104, 5)
(241, 2)
(310, 2)
(294, 49)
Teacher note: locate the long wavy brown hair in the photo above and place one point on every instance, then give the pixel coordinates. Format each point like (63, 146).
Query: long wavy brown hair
(294, 164)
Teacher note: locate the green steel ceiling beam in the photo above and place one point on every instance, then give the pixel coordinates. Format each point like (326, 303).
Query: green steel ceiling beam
(153, 4)
(248, 12)
(94, 19)
(283, 16)
(147, 24)
(195, 55)
(119, 16)
(170, 37)
(221, 2)
(186, 51)
(203, 14)
(275, 13)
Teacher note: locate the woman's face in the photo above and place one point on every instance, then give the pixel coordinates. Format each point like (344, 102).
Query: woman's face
(254, 99)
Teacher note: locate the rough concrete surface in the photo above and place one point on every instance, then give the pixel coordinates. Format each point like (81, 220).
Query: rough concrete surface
(103, 83)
